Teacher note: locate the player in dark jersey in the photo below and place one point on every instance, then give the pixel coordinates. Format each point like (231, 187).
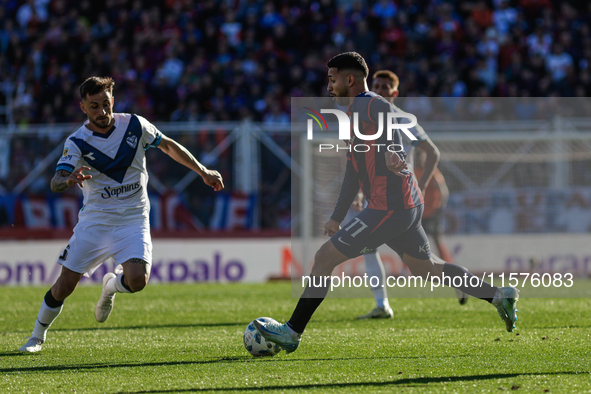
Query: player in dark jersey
(432, 185)
(392, 217)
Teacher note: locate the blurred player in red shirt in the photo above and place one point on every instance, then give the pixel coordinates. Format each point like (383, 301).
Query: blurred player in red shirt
(436, 195)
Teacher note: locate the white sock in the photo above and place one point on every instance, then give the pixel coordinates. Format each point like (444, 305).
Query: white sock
(45, 318)
(293, 334)
(114, 285)
(497, 298)
(375, 267)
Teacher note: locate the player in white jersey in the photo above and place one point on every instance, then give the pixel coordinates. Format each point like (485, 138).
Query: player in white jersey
(385, 83)
(106, 159)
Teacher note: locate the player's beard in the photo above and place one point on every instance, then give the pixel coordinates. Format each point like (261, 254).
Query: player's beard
(102, 124)
(342, 98)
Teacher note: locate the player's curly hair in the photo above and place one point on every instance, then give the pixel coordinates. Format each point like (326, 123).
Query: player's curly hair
(349, 61)
(94, 85)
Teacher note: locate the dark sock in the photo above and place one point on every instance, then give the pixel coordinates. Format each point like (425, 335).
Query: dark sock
(52, 302)
(123, 283)
(478, 289)
(309, 301)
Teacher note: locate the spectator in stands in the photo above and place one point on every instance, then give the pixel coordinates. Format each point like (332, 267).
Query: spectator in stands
(558, 63)
(385, 10)
(504, 18)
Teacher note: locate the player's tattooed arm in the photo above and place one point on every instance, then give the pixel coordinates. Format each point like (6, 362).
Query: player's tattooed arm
(63, 179)
(59, 182)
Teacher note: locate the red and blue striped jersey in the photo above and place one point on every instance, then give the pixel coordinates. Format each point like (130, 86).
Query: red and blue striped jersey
(366, 163)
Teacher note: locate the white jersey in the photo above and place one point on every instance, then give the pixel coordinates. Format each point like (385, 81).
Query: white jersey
(117, 193)
(409, 144)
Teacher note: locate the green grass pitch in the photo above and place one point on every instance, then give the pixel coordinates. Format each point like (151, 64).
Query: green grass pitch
(188, 338)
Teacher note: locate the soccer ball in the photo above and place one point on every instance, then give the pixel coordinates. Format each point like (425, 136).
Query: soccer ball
(256, 344)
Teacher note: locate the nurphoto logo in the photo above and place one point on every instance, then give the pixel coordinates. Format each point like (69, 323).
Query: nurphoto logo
(391, 124)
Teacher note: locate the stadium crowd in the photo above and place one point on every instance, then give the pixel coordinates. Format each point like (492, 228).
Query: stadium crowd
(225, 60)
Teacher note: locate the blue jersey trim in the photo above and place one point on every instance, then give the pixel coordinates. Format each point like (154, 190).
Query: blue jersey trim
(65, 167)
(155, 143)
(114, 168)
(101, 135)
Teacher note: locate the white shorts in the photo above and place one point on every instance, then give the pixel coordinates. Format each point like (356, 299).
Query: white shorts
(94, 243)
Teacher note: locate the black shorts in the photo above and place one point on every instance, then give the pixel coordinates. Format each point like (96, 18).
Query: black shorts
(400, 230)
